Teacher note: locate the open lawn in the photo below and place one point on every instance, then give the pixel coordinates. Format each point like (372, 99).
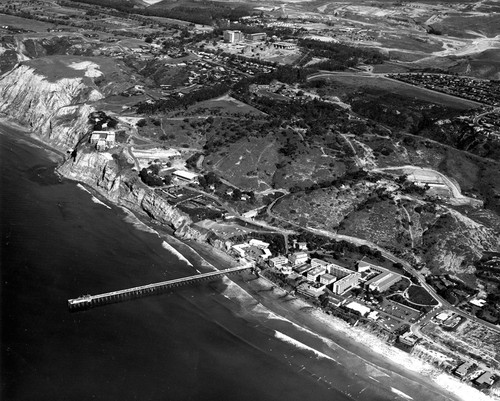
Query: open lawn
(419, 295)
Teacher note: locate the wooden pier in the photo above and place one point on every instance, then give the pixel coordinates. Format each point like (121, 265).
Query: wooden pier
(90, 301)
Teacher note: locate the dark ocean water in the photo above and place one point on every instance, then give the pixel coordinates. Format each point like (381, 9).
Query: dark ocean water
(186, 345)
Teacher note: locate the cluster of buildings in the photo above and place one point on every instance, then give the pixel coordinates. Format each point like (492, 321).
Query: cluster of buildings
(319, 274)
(483, 91)
(377, 278)
(483, 378)
(103, 140)
(234, 36)
(253, 250)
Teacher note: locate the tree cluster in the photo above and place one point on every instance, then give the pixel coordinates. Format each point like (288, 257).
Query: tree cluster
(339, 56)
(199, 95)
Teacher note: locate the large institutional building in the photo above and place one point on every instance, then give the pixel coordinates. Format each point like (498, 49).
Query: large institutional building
(233, 36)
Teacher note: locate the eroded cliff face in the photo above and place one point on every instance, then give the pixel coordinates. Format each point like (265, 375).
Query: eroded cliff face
(101, 171)
(55, 111)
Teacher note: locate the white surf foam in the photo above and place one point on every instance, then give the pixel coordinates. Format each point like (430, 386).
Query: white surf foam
(95, 200)
(83, 188)
(400, 393)
(289, 340)
(171, 249)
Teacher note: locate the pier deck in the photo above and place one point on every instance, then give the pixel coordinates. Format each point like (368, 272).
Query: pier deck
(89, 301)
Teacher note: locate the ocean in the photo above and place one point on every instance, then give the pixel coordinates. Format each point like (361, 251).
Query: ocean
(209, 341)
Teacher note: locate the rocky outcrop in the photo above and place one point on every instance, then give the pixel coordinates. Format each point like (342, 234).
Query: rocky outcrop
(55, 111)
(454, 242)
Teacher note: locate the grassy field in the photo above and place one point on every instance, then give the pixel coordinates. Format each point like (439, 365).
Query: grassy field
(419, 295)
(24, 23)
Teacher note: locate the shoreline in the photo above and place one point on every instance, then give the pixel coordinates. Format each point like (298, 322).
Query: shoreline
(264, 293)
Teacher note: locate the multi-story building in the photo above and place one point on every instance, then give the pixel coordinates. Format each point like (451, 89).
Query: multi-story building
(338, 271)
(278, 261)
(315, 273)
(256, 36)
(319, 263)
(345, 283)
(233, 36)
(286, 269)
(298, 258)
(327, 279)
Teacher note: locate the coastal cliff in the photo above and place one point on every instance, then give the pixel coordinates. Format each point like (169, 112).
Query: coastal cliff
(54, 110)
(102, 172)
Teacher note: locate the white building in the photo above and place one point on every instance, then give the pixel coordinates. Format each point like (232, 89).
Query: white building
(258, 243)
(362, 309)
(364, 266)
(286, 269)
(345, 283)
(231, 36)
(278, 261)
(383, 281)
(319, 263)
(315, 273)
(298, 258)
(103, 139)
(185, 175)
(327, 279)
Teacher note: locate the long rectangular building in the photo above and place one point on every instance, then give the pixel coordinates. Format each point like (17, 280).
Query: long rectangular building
(383, 281)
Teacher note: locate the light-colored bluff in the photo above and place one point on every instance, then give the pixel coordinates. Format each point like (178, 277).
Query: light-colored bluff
(57, 112)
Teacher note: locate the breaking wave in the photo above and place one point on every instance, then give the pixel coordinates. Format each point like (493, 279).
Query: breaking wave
(171, 249)
(289, 340)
